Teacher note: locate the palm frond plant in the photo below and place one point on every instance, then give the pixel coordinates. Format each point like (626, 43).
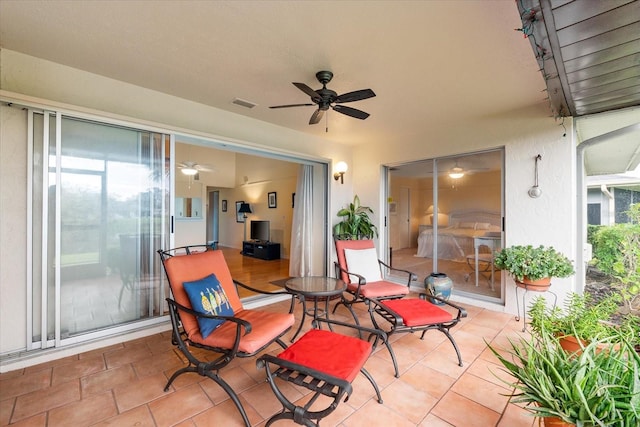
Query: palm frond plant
(596, 388)
(355, 224)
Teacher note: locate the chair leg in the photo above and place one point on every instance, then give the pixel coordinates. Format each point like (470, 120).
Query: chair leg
(373, 383)
(455, 346)
(232, 394)
(179, 372)
(304, 315)
(348, 306)
(393, 358)
(385, 341)
(222, 383)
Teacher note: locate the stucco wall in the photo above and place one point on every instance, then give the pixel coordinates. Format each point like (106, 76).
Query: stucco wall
(548, 220)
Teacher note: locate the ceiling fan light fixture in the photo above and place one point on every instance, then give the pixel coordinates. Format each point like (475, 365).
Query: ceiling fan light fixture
(456, 172)
(189, 171)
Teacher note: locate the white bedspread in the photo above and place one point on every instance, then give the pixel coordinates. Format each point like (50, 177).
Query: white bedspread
(454, 243)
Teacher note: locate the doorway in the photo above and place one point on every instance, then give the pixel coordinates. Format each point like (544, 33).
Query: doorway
(455, 210)
(229, 176)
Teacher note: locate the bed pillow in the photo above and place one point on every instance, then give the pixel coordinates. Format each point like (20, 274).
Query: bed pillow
(207, 296)
(482, 225)
(363, 262)
(471, 225)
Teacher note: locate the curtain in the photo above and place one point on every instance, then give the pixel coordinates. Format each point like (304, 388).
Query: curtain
(300, 258)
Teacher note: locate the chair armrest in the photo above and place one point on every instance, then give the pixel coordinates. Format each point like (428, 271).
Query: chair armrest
(412, 277)
(361, 279)
(461, 311)
(237, 320)
(259, 291)
(389, 313)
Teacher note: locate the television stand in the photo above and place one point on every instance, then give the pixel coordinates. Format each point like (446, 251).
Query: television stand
(261, 250)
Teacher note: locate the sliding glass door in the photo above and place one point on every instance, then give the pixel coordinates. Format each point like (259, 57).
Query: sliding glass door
(455, 211)
(99, 211)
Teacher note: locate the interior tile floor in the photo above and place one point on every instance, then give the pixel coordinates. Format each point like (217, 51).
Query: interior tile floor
(123, 384)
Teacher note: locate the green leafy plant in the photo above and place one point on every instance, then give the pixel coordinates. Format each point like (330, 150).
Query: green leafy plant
(580, 317)
(596, 388)
(533, 262)
(355, 223)
(616, 252)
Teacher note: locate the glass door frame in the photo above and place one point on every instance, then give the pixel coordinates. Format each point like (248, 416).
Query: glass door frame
(385, 237)
(42, 283)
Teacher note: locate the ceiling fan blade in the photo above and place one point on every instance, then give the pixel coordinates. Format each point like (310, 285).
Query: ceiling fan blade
(355, 95)
(358, 114)
(316, 116)
(291, 105)
(306, 89)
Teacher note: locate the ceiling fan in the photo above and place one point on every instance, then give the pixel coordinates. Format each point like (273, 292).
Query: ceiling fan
(325, 98)
(192, 168)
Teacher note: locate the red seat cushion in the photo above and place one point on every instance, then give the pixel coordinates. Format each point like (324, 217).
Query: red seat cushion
(380, 289)
(328, 352)
(265, 326)
(417, 312)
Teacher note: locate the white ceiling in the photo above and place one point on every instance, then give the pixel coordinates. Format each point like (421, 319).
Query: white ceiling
(431, 63)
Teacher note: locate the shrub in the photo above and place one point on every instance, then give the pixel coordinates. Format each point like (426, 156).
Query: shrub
(616, 252)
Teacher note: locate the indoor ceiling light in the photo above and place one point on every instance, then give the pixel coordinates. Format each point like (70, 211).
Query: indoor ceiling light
(189, 171)
(456, 172)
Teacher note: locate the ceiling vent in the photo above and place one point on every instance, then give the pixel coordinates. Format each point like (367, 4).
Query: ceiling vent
(243, 103)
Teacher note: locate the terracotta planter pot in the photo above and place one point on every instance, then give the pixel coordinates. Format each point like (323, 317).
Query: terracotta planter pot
(540, 285)
(570, 344)
(556, 422)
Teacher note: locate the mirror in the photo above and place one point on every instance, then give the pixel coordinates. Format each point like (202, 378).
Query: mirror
(189, 200)
(188, 208)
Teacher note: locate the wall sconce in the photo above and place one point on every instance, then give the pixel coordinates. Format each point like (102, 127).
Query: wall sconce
(340, 169)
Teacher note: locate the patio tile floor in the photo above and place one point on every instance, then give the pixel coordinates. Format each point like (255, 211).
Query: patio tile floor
(123, 385)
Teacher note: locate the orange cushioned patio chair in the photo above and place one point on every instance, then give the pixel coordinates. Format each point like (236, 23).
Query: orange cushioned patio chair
(415, 315)
(359, 267)
(324, 362)
(206, 312)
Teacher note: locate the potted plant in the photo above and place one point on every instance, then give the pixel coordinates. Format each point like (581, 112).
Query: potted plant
(533, 267)
(355, 224)
(596, 388)
(580, 321)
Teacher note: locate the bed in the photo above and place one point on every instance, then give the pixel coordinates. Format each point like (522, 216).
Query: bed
(455, 241)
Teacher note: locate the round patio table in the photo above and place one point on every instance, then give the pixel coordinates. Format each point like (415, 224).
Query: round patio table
(314, 288)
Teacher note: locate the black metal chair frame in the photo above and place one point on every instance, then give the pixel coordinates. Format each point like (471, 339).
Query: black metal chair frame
(211, 368)
(355, 296)
(398, 325)
(319, 383)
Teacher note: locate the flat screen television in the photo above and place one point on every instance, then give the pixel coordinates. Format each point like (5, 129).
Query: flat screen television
(260, 231)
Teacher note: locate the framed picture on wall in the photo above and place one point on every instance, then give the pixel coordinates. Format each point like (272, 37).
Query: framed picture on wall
(224, 206)
(239, 215)
(272, 200)
(393, 208)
